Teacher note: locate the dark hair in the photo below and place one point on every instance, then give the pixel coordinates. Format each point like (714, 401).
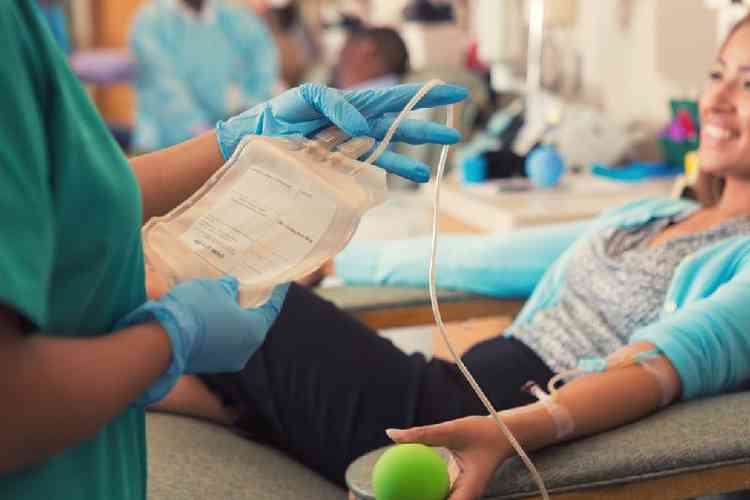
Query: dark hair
(428, 12)
(708, 187)
(287, 17)
(390, 46)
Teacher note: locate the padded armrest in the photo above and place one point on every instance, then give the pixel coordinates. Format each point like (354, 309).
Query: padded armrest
(191, 459)
(389, 307)
(690, 449)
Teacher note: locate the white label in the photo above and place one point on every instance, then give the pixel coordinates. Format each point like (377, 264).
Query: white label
(264, 225)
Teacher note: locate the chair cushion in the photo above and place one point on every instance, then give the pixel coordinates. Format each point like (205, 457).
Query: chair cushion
(685, 437)
(191, 459)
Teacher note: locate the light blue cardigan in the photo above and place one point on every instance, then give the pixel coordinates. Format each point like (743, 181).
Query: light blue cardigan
(704, 328)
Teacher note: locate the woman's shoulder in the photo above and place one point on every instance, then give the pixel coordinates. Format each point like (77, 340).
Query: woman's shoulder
(653, 205)
(735, 249)
(642, 210)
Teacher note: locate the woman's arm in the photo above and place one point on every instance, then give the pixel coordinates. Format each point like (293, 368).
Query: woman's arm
(169, 176)
(504, 265)
(704, 328)
(595, 403)
(60, 391)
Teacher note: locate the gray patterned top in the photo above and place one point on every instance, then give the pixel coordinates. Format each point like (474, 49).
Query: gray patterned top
(615, 285)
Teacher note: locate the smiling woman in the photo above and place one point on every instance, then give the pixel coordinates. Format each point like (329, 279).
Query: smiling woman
(725, 116)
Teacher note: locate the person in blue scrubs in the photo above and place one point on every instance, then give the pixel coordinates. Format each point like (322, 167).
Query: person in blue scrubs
(198, 62)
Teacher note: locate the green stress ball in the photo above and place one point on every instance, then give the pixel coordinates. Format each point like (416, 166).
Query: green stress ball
(410, 472)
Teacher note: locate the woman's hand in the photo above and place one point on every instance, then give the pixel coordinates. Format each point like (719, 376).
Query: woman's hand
(314, 278)
(156, 284)
(310, 107)
(477, 444)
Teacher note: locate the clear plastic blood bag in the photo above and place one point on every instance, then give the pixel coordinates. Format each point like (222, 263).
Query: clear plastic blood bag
(275, 211)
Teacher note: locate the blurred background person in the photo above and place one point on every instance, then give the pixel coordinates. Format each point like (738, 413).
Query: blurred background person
(296, 42)
(199, 61)
(372, 57)
(54, 16)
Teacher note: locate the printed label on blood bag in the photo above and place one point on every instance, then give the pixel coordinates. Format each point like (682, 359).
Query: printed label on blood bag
(263, 225)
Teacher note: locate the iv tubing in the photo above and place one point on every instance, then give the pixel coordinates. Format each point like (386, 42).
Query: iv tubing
(432, 270)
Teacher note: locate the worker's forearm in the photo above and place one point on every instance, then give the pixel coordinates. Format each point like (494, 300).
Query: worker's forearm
(57, 392)
(169, 176)
(595, 403)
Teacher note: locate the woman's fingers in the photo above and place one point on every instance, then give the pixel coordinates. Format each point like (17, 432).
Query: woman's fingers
(403, 166)
(392, 100)
(413, 131)
(310, 106)
(332, 104)
(476, 457)
(443, 434)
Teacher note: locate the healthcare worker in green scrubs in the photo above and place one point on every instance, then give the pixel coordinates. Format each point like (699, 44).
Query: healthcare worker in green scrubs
(81, 350)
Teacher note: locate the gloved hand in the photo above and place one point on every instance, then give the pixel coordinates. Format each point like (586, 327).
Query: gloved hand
(311, 107)
(208, 330)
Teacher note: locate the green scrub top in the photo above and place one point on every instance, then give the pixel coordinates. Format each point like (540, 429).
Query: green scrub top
(71, 262)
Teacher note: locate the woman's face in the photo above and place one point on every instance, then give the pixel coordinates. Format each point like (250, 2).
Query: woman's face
(725, 110)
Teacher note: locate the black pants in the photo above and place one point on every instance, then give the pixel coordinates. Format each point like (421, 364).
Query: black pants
(324, 387)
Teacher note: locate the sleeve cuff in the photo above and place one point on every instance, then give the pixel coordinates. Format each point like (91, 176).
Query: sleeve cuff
(159, 388)
(668, 344)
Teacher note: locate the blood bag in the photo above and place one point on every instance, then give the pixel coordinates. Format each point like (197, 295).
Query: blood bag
(275, 211)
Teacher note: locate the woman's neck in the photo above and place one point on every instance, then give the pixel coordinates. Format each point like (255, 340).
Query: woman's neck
(735, 198)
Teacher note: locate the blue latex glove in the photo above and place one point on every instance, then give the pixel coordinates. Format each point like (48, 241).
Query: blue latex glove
(311, 107)
(208, 330)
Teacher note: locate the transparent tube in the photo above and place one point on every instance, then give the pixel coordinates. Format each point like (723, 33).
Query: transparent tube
(432, 271)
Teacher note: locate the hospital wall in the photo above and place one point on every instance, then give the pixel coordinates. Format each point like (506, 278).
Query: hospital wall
(627, 56)
(637, 54)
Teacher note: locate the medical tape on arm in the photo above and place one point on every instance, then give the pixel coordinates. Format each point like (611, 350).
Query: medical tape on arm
(561, 417)
(652, 363)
